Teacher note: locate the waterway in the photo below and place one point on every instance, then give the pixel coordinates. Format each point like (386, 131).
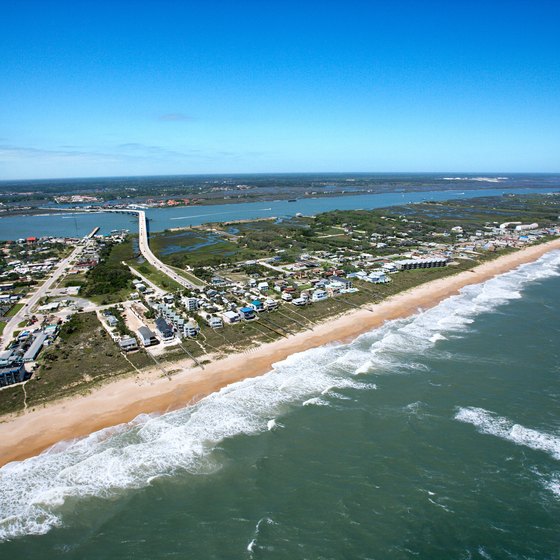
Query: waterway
(79, 224)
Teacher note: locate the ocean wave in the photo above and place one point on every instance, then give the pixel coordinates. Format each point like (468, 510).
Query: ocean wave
(453, 316)
(34, 493)
(490, 423)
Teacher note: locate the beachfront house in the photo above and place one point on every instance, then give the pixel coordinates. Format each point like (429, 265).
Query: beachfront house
(247, 313)
(231, 317)
(146, 336)
(215, 322)
(343, 283)
(11, 374)
(257, 305)
(319, 295)
(164, 329)
(128, 344)
(271, 304)
(36, 346)
(191, 328)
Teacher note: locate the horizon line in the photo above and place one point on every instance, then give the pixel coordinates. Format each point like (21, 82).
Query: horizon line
(264, 173)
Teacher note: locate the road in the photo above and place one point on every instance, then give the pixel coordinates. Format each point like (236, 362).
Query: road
(41, 291)
(144, 246)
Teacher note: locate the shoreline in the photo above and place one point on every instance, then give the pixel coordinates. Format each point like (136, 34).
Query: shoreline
(124, 399)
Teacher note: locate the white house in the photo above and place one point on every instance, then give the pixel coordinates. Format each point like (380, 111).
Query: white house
(215, 322)
(191, 328)
(319, 295)
(263, 286)
(190, 303)
(271, 304)
(231, 317)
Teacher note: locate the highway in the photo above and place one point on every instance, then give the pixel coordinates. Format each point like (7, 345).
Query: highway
(144, 246)
(147, 253)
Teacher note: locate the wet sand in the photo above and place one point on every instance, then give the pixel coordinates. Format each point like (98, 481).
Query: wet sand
(122, 400)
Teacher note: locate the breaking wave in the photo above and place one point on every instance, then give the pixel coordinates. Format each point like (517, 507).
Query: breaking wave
(35, 494)
(489, 423)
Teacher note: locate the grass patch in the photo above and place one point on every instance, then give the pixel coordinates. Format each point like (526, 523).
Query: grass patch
(82, 356)
(15, 308)
(157, 277)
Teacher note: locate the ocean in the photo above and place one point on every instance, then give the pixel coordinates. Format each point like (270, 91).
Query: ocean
(433, 437)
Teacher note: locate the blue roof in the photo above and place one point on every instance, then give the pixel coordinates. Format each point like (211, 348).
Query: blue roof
(256, 302)
(246, 309)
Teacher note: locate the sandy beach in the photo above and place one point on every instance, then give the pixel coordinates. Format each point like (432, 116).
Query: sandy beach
(122, 400)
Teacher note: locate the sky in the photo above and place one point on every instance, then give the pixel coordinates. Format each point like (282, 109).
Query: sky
(127, 88)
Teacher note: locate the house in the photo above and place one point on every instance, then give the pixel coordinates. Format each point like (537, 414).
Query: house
(300, 302)
(111, 320)
(319, 295)
(286, 296)
(146, 336)
(190, 303)
(191, 328)
(36, 346)
(262, 286)
(377, 277)
(14, 373)
(215, 322)
(7, 358)
(247, 313)
(128, 343)
(345, 283)
(164, 329)
(231, 317)
(271, 304)
(257, 305)
(390, 267)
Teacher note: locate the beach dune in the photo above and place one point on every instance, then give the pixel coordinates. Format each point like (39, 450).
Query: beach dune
(122, 400)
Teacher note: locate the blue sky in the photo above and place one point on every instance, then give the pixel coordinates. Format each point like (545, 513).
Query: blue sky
(177, 87)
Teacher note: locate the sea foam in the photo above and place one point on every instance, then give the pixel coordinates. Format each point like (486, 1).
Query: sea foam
(34, 493)
(490, 423)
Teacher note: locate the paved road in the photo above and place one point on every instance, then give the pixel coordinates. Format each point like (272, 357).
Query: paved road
(41, 291)
(151, 258)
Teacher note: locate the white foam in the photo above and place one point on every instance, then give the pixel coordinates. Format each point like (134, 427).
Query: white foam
(489, 423)
(34, 492)
(452, 317)
(553, 484)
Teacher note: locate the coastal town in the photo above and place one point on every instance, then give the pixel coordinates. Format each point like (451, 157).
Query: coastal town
(124, 302)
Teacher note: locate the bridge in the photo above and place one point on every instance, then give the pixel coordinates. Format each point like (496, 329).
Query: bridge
(147, 253)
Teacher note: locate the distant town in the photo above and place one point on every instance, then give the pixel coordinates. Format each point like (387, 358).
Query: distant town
(116, 303)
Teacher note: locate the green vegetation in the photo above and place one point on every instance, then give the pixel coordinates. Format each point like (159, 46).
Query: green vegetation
(157, 277)
(109, 281)
(14, 309)
(83, 356)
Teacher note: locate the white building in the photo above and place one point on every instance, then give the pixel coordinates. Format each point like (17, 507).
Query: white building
(190, 303)
(319, 295)
(231, 317)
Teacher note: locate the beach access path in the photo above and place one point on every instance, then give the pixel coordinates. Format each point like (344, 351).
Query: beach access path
(123, 399)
